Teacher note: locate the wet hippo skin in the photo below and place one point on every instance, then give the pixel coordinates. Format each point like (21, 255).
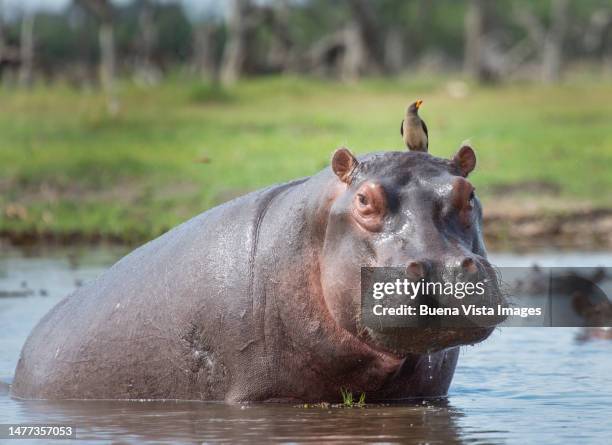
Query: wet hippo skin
(258, 299)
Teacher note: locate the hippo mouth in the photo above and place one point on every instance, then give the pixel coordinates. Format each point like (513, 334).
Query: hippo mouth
(400, 342)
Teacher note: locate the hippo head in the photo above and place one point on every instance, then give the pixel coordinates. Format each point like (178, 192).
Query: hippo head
(595, 310)
(403, 209)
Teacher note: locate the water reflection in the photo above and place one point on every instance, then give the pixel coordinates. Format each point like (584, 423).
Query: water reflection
(214, 422)
(518, 379)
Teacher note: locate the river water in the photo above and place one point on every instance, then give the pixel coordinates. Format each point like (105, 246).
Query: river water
(523, 385)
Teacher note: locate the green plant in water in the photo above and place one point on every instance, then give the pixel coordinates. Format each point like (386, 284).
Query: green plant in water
(348, 400)
(347, 397)
(361, 401)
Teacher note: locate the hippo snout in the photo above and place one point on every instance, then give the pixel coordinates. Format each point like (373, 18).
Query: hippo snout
(472, 282)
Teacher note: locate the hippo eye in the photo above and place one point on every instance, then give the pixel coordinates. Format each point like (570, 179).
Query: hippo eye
(370, 206)
(363, 200)
(472, 196)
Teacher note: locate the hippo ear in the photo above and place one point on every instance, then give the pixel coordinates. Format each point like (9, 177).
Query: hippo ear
(343, 163)
(465, 160)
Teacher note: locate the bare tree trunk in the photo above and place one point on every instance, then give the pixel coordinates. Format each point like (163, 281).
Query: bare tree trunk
(474, 23)
(26, 50)
(394, 51)
(204, 52)
(548, 41)
(10, 57)
(354, 59)
(147, 33)
(366, 43)
(103, 10)
(552, 50)
(235, 52)
(279, 53)
(107, 65)
(597, 39)
(146, 70)
(600, 22)
(2, 42)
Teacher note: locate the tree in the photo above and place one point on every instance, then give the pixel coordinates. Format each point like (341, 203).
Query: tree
(364, 41)
(236, 47)
(548, 41)
(26, 47)
(279, 56)
(552, 51)
(474, 23)
(598, 37)
(103, 10)
(204, 52)
(146, 71)
(10, 57)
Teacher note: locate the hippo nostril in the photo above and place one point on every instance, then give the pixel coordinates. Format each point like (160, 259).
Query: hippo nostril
(469, 265)
(415, 270)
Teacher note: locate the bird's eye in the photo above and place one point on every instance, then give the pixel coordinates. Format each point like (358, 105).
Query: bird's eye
(363, 200)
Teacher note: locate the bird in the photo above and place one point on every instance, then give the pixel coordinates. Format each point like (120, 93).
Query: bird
(414, 130)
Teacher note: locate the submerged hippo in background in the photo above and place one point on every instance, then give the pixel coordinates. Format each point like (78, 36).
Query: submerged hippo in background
(259, 299)
(596, 314)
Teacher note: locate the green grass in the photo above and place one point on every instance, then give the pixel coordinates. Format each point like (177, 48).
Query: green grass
(174, 150)
(348, 401)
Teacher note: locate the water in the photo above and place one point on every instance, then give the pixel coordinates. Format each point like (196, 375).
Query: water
(523, 385)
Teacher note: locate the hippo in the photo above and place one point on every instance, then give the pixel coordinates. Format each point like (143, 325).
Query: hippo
(258, 299)
(596, 315)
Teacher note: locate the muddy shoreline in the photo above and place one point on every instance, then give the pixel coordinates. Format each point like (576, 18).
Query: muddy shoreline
(508, 229)
(584, 228)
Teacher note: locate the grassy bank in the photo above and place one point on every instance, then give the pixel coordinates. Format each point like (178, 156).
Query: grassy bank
(68, 168)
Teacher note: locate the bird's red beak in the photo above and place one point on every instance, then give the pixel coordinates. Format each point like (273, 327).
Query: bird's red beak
(418, 104)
